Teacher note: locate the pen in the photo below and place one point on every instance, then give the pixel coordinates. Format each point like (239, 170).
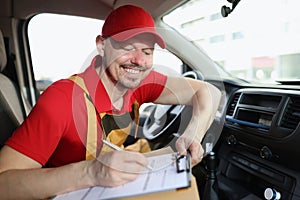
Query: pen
(115, 147)
(111, 145)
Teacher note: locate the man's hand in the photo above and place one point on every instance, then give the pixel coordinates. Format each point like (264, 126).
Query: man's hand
(186, 143)
(116, 168)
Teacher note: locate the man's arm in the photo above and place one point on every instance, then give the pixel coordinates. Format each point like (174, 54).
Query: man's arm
(23, 178)
(204, 98)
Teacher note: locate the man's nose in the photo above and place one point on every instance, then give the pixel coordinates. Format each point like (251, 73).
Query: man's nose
(138, 57)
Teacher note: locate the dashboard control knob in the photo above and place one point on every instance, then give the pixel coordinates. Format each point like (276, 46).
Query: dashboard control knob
(272, 194)
(265, 152)
(231, 140)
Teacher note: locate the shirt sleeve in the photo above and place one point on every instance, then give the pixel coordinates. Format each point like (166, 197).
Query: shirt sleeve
(151, 87)
(41, 131)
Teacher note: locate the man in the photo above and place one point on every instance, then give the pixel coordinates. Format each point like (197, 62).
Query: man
(52, 153)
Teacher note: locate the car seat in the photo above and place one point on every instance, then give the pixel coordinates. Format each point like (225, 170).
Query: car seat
(12, 110)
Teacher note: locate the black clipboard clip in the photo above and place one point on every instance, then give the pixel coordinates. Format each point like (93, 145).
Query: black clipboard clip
(184, 163)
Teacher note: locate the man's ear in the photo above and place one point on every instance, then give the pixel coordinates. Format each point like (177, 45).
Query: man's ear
(100, 45)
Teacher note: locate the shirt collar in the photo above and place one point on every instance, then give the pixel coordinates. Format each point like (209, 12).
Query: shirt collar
(95, 86)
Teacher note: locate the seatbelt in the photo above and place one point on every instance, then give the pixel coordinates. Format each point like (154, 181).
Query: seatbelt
(91, 136)
(27, 106)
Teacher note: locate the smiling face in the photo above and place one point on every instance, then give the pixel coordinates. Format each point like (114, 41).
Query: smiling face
(128, 63)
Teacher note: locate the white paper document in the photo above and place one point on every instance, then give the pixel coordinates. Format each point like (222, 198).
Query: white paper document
(165, 176)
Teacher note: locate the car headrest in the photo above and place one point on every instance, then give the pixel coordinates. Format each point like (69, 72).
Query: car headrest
(3, 59)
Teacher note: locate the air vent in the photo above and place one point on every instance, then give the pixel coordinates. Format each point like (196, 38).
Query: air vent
(291, 116)
(233, 103)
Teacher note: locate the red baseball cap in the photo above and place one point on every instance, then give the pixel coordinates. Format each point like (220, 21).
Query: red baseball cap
(128, 21)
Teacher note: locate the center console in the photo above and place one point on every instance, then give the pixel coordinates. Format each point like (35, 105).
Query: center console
(259, 151)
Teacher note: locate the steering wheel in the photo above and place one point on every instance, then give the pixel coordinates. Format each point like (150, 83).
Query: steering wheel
(165, 122)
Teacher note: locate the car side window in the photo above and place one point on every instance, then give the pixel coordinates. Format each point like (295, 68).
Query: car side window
(62, 45)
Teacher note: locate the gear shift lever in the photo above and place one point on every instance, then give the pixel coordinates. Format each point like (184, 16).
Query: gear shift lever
(211, 186)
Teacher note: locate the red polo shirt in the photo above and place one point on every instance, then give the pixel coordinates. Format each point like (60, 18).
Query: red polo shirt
(54, 133)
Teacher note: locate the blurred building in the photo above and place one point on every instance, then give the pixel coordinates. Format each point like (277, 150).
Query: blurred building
(259, 40)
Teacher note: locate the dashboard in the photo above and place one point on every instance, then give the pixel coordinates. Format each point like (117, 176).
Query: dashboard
(259, 144)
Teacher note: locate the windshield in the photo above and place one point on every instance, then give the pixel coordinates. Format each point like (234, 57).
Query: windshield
(258, 41)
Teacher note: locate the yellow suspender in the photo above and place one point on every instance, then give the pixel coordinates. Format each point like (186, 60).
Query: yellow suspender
(91, 137)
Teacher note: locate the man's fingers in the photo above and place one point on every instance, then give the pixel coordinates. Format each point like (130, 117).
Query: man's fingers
(196, 152)
(124, 161)
(137, 159)
(181, 147)
(195, 148)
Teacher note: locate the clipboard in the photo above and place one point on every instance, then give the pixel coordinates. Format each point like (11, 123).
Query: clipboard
(188, 193)
(171, 172)
(183, 163)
